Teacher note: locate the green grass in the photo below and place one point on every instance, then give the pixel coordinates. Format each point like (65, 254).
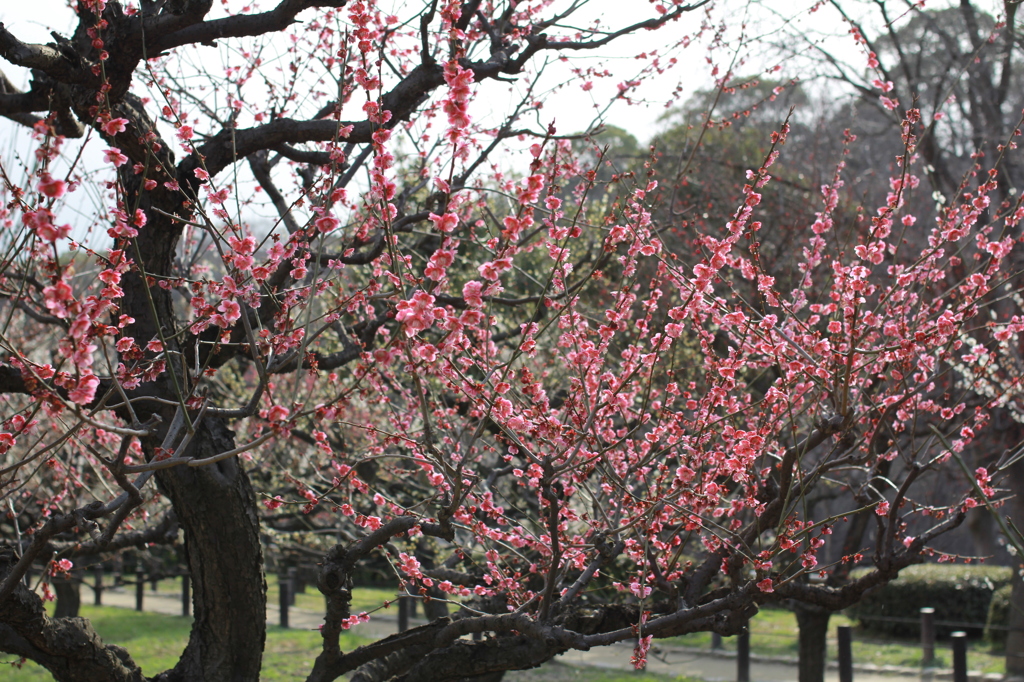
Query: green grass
(773, 632)
(155, 641)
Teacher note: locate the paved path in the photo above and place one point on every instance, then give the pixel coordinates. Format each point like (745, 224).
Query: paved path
(662, 660)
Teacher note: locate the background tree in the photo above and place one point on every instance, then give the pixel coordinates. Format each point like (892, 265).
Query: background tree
(534, 409)
(959, 66)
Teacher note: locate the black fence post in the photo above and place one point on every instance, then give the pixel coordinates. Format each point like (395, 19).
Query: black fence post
(959, 640)
(845, 636)
(716, 641)
(285, 577)
(186, 594)
(293, 583)
(927, 637)
(298, 581)
(97, 591)
(285, 588)
(743, 657)
(403, 614)
(140, 586)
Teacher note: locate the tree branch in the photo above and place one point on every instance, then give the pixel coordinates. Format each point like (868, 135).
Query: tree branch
(46, 58)
(238, 26)
(68, 647)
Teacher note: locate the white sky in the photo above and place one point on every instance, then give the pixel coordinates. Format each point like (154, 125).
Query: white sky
(565, 102)
(573, 109)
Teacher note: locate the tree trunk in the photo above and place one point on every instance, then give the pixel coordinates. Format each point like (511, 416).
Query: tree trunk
(217, 509)
(69, 597)
(1015, 637)
(813, 624)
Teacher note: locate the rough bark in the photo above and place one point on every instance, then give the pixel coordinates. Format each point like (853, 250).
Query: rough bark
(1015, 636)
(67, 647)
(813, 624)
(69, 598)
(216, 507)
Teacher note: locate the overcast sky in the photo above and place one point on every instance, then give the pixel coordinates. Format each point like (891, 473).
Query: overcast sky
(572, 108)
(569, 105)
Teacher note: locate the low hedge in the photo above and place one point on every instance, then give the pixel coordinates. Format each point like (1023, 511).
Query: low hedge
(998, 617)
(958, 593)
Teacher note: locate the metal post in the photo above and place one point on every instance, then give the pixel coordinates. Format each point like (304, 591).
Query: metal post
(298, 584)
(845, 634)
(959, 640)
(288, 577)
(716, 641)
(293, 580)
(153, 580)
(927, 637)
(186, 594)
(140, 586)
(403, 614)
(743, 657)
(97, 591)
(285, 589)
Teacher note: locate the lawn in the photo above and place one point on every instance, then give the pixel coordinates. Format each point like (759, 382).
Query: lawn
(156, 640)
(773, 632)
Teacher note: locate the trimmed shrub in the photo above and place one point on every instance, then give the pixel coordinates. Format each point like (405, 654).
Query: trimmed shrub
(998, 617)
(959, 594)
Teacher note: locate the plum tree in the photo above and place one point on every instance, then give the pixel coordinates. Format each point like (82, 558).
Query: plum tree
(557, 429)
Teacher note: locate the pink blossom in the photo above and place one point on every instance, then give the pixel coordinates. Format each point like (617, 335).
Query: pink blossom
(114, 126)
(639, 658)
(231, 310)
(416, 314)
(641, 591)
(444, 223)
(471, 292)
(85, 391)
(7, 441)
(277, 413)
(51, 187)
(889, 104)
(115, 157)
(46, 230)
(327, 224)
(56, 296)
(492, 270)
